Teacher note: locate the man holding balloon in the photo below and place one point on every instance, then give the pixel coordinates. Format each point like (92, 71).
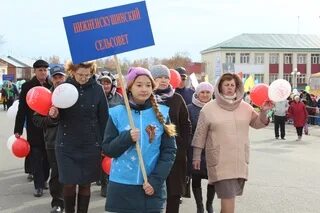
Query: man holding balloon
(50, 127)
(36, 163)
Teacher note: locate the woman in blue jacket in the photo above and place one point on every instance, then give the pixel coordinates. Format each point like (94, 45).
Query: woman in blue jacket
(127, 191)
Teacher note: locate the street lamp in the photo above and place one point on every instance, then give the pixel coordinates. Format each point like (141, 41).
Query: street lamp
(295, 73)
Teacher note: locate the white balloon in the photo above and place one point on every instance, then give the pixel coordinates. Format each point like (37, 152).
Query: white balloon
(10, 142)
(12, 111)
(279, 90)
(16, 103)
(65, 96)
(295, 91)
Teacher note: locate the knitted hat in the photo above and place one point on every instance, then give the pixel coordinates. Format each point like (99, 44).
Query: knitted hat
(204, 86)
(159, 71)
(135, 72)
(106, 75)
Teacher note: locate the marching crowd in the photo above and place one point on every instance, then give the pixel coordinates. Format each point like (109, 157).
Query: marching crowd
(184, 136)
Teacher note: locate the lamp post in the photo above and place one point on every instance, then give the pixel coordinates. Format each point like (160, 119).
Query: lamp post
(295, 73)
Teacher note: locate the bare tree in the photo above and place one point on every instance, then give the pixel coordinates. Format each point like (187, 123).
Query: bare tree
(180, 59)
(54, 59)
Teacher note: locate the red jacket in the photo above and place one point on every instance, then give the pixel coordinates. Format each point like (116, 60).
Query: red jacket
(299, 114)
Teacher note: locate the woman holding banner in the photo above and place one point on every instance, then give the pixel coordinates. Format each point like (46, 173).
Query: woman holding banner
(155, 135)
(223, 131)
(79, 137)
(177, 179)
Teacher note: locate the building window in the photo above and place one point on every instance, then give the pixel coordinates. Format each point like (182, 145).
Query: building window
(288, 77)
(315, 58)
(19, 72)
(274, 58)
(230, 58)
(287, 58)
(259, 58)
(273, 77)
(301, 58)
(259, 78)
(301, 79)
(244, 58)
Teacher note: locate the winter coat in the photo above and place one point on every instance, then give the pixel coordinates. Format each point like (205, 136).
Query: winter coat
(126, 177)
(49, 126)
(298, 112)
(80, 132)
(176, 181)
(223, 130)
(194, 112)
(25, 114)
(186, 94)
(114, 99)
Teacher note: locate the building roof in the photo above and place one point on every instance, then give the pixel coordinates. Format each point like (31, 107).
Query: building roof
(27, 62)
(12, 62)
(269, 41)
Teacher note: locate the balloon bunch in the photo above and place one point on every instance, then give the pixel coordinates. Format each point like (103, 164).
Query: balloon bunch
(279, 90)
(40, 99)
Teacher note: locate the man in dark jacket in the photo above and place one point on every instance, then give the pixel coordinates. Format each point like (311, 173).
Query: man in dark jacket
(38, 156)
(185, 92)
(50, 127)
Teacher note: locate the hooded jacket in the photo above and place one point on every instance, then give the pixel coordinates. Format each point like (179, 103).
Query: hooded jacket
(223, 130)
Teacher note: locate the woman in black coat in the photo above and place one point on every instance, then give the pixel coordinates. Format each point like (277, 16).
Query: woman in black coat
(202, 95)
(79, 137)
(178, 113)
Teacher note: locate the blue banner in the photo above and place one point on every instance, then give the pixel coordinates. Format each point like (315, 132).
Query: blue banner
(8, 77)
(108, 32)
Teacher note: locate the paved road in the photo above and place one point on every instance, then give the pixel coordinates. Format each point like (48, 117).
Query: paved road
(284, 177)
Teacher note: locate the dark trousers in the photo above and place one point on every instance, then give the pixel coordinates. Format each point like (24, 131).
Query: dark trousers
(173, 204)
(55, 187)
(27, 165)
(279, 121)
(299, 130)
(196, 181)
(40, 166)
(10, 102)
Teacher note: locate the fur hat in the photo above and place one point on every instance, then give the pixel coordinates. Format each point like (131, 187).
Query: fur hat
(158, 71)
(204, 86)
(135, 72)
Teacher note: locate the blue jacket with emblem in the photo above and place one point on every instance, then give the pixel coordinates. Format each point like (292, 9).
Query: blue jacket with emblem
(126, 178)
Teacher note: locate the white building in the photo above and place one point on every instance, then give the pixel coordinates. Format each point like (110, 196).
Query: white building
(293, 57)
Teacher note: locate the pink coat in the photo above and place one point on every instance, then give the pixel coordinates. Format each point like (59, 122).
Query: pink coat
(223, 131)
(298, 112)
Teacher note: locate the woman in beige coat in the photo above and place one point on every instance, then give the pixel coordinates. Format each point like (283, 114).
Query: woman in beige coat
(223, 130)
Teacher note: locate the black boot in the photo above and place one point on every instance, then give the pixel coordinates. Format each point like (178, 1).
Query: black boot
(83, 203)
(210, 196)
(69, 203)
(197, 192)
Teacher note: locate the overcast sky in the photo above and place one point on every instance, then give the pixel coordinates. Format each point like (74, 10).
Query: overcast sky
(35, 28)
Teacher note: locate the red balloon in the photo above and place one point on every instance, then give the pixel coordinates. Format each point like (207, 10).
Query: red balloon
(106, 164)
(175, 78)
(259, 94)
(39, 99)
(20, 148)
